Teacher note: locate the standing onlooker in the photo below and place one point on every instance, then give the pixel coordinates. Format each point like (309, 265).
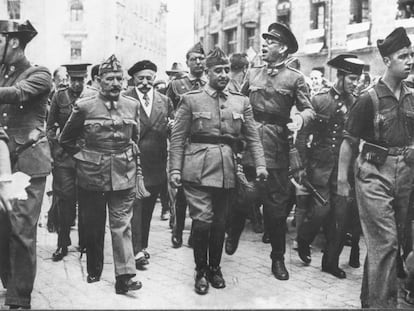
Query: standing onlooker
(238, 68)
(382, 118)
(24, 91)
(108, 171)
(156, 114)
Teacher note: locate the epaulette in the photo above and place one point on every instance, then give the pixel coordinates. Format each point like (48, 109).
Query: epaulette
(193, 92)
(258, 66)
(85, 99)
(235, 92)
(323, 90)
(295, 70)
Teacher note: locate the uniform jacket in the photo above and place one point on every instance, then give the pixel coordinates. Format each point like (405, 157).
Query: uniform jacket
(153, 137)
(274, 94)
(108, 159)
(180, 86)
(326, 133)
(24, 91)
(204, 112)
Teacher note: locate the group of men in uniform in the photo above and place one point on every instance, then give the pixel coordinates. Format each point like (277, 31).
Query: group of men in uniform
(109, 150)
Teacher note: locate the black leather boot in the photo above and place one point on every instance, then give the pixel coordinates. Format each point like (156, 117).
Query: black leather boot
(279, 270)
(215, 277)
(304, 251)
(201, 284)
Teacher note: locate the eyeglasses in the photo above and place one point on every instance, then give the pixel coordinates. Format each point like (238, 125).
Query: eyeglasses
(270, 41)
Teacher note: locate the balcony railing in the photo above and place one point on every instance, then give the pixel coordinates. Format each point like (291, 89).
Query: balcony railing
(358, 35)
(314, 40)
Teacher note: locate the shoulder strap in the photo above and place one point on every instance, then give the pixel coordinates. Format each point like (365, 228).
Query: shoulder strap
(377, 118)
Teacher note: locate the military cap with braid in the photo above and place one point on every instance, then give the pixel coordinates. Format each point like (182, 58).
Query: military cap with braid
(216, 57)
(112, 64)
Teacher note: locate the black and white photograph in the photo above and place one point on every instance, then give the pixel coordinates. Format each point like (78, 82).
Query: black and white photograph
(206, 154)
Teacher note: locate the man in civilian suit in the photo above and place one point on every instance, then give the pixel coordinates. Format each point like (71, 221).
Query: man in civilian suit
(156, 114)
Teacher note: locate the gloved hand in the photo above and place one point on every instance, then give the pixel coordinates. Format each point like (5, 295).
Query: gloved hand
(296, 124)
(142, 192)
(175, 180)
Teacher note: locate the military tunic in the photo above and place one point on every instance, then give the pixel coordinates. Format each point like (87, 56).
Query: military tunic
(24, 91)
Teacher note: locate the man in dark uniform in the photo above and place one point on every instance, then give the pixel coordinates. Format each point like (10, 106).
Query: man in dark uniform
(213, 120)
(273, 90)
(176, 89)
(64, 173)
(156, 115)
(24, 91)
(383, 118)
(108, 171)
(331, 106)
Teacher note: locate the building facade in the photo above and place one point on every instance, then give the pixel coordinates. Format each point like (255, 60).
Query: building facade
(91, 30)
(324, 28)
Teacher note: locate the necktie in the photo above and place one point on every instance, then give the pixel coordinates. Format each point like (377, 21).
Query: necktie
(146, 100)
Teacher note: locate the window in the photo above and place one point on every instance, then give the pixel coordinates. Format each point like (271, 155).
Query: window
(231, 40)
(231, 2)
(76, 11)
(317, 15)
(13, 9)
(214, 40)
(283, 12)
(405, 9)
(216, 4)
(250, 35)
(75, 50)
(359, 11)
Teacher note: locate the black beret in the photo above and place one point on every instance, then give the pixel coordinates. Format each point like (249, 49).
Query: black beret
(216, 57)
(142, 65)
(282, 32)
(347, 63)
(395, 41)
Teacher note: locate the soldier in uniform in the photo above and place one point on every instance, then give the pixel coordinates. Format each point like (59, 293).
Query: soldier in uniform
(273, 90)
(176, 89)
(24, 91)
(383, 117)
(213, 120)
(331, 106)
(64, 173)
(108, 172)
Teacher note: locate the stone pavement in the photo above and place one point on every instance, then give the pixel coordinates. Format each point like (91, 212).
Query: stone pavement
(169, 279)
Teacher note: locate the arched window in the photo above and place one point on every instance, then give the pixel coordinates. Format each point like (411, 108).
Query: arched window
(13, 9)
(76, 11)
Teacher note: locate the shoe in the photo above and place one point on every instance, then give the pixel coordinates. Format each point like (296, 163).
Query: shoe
(16, 307)
(165, 215)
(279, 270)
(335, 271)
(215, 277)
(146, 254)
(123, 285)
(201, 283)
(177, 240)
(231, 245)
(93, 278)
(354, 258)
(60, 253)
(140, 262)
(266, 238)
(304, 252)
(190, 241)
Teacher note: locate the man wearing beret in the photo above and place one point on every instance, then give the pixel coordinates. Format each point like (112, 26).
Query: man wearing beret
(383, 117)
(64, 173)
(156, 117)
(176, 89)
(273, 89)
(212, 120)
(331, 107)
(108, 172)
(24, 91)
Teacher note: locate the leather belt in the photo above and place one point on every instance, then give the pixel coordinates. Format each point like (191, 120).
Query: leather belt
(268, 118)
(234, 143)
(396, 151)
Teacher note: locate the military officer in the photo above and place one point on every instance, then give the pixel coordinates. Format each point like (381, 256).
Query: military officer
(213, 120)
(108, 171)
(273, 89)
(24, 91)
(176, 89)
(383, 118)
(64, 173)
(331, 106)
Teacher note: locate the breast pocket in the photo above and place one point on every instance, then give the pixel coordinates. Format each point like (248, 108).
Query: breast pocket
(238, 119)
(201, 120)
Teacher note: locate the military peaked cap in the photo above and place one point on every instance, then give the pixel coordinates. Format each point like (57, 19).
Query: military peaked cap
(77, 70)
(24, 31)
(282, 33)
(347, 63)
(395, 41)
(141, 65)
(216, 57)
(112, 64)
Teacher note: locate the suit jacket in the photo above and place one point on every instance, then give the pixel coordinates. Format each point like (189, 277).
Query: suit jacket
(207, 113)
(153, 137)
(24, 91)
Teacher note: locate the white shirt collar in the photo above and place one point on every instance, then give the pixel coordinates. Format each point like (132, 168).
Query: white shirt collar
(150, 94)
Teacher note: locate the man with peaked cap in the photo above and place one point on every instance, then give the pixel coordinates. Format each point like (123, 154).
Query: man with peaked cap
(176, 89)
(382, 118)
(24, 91)
(212, 120)
(108, 171)
(64, 173)
(156, 114)
(273, 89)
(331, 107)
